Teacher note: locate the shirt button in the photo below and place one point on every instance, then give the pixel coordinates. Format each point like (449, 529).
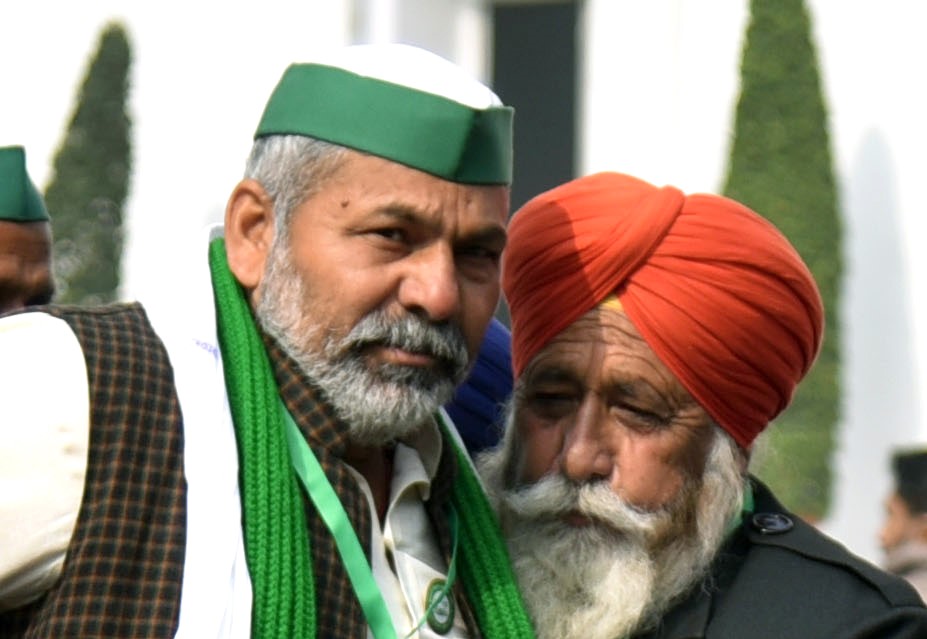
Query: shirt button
(771, 523)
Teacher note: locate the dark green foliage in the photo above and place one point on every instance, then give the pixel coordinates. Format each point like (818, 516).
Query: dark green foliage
(781, 167)
(90, 179)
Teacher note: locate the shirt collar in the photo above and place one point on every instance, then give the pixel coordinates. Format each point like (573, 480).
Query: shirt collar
(426, 441)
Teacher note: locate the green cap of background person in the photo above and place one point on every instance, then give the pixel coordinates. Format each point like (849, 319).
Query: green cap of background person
(20, 201)
(400, 103)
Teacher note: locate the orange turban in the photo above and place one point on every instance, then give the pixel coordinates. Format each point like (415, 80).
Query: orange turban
(714, 289)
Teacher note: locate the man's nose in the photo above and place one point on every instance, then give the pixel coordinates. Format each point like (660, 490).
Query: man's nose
(586, 456)
(430, 287)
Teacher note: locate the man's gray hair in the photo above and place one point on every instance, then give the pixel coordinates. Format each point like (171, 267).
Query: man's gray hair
(291, 168)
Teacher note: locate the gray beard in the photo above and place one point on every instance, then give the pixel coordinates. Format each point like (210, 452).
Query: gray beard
(381, 403)
(619, 575)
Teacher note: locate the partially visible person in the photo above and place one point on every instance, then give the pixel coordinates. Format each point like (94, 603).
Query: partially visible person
(264, 454)
(904, 531)
(477, 407)
(25, 236)
(655, 335)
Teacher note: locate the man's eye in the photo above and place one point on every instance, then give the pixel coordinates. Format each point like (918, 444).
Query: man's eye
(551, 398)
(552, 404)
(639, 418)
(391, 234)
(479, 253)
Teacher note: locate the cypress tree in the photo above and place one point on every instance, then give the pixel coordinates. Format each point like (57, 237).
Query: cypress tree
(87, 192)
(781, 166)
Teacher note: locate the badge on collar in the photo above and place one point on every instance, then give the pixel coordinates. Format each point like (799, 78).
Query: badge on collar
(439, 607)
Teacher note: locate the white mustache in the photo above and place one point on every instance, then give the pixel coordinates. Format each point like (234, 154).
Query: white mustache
(554, 496)
(444, 342)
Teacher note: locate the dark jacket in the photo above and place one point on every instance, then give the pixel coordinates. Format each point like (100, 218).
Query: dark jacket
(779, 578)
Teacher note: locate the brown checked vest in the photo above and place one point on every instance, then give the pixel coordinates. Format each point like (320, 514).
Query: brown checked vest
(124, 567)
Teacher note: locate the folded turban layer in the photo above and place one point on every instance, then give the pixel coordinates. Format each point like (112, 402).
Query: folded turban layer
(716, 291)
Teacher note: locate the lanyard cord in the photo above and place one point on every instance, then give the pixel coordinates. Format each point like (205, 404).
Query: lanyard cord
(451, 575)
(332, 512)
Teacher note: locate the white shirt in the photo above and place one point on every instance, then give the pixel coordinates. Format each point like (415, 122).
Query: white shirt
(406, 558)
(44, 428)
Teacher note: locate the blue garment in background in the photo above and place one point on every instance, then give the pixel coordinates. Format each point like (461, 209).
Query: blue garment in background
(477, 407)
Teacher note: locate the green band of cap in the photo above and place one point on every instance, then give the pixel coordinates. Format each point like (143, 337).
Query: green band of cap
(418, 129)
(20, 201)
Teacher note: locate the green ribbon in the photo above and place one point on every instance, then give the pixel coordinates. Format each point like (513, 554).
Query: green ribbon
(327, 503)
(332, 512)
(275, 529)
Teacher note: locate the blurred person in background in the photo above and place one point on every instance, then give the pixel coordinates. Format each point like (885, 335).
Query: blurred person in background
(904, 532)
(25, 236)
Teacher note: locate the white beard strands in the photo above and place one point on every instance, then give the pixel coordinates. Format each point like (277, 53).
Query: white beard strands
(379, 404)
(619, 575)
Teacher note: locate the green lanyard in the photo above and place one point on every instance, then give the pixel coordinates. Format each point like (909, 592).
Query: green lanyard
(332, 512)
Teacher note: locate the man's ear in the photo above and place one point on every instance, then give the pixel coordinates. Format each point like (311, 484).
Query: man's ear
(249, 232)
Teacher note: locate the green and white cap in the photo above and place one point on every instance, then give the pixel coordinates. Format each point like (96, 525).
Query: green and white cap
(20, 201)
(401, 103)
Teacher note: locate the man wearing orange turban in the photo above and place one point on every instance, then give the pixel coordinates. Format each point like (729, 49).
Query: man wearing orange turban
(654, 336)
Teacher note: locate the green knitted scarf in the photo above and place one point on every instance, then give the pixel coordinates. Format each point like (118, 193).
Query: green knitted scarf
(275, 531)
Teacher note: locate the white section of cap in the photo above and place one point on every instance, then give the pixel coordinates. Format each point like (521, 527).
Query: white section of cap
(412, 67)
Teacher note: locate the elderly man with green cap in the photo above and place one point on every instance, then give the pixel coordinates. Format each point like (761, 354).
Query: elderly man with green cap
(25, 236)
(268, 456)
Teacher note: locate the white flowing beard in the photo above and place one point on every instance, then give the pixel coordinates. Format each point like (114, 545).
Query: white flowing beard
(579, 582)
(620, 574)
(379, 404)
